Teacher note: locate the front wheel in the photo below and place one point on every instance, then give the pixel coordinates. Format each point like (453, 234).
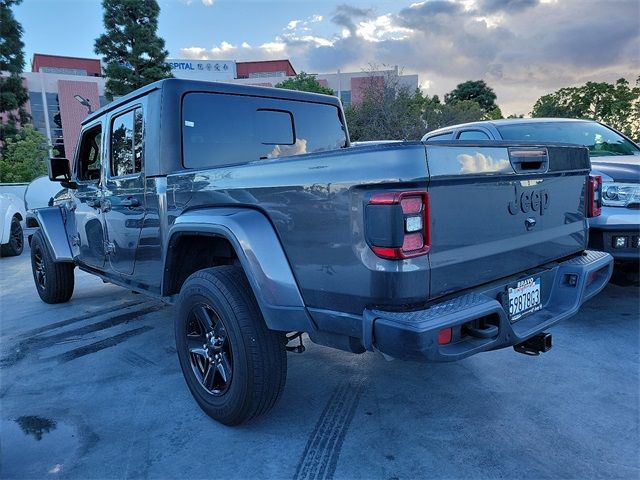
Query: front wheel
(54, 280)
(234, 366)
(15, 245)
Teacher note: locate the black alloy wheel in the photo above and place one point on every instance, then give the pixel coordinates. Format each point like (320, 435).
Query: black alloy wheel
(234, 365)
(54, 280)
(40, 272)
(209, 349)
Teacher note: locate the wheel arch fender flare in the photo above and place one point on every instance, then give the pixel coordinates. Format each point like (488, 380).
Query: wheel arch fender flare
(51, 221)
(261, 256)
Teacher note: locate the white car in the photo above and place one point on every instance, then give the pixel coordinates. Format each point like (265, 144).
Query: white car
(12, 216)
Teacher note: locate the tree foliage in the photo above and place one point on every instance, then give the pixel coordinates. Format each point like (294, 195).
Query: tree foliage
(617, 105)
(305, 82)
(439, 115)
(476, 91)
(388, 111)
(134, 55)
(24, 156)
(13, 95)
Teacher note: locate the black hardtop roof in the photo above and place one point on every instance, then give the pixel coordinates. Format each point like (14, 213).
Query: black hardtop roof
(177, 86)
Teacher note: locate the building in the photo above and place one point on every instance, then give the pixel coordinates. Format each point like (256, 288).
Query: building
(265, 69)
(348, 86)
(206, 70)
(53, 84)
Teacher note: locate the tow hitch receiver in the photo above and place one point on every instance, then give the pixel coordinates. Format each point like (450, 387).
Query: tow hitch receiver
(535, 345)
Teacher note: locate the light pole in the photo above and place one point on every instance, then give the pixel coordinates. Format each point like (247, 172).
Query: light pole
(85, 102)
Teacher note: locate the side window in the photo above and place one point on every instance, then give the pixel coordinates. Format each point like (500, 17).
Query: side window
(127, 135)
(90, 154)
(220, 130)
(473, 135)
(441, 136)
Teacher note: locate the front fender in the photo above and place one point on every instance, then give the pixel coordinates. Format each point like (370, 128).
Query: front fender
(261, 256)
(51, 222)
(11, 211)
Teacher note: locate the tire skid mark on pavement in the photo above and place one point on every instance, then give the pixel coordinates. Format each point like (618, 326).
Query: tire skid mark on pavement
(100, 345)
(40, 342)
(86, 316)
(134, 359)
(320, 457)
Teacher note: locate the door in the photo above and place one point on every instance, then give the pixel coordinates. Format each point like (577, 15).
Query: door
(89, 243)
(123, 203)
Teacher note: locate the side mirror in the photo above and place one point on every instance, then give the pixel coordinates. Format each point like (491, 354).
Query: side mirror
(60, 171)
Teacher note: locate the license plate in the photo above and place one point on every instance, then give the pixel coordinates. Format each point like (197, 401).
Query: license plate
(524, 298)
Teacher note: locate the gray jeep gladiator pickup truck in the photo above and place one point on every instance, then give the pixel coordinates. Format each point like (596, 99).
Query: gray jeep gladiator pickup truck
(248, 208)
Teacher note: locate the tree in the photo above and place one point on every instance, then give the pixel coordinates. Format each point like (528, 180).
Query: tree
(389, 110)
(617, 105)
(13, 95)
(305, 82)
(439, 115)
(134, 55)
(477, 91)
(24, 156)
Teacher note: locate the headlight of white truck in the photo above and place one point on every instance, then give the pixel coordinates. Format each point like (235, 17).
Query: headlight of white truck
(620, 194)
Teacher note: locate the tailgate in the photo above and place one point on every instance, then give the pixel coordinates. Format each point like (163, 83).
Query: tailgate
(501, 208)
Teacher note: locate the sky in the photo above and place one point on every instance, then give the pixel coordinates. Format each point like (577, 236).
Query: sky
(522, 48)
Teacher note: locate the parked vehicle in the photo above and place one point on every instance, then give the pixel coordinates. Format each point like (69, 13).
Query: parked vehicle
(614, 157)
(12, 216)
(41, 192)
(247, 207)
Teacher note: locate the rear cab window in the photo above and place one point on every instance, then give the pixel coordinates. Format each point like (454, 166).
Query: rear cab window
(440, 136)
(473, 135)
(220, 129)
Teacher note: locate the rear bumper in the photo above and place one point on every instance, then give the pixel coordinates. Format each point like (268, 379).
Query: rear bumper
(613, 223)
(604, 238)
(414, 335)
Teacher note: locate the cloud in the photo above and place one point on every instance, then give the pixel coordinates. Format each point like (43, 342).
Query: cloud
(480, 163)
(346, 16)
(512, 6)
(206, 3)
(522, 48)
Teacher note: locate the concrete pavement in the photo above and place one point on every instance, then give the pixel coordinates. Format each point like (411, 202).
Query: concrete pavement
(93, 389)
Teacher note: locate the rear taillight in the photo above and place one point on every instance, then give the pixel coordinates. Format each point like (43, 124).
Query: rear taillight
(594, 196)
(398, 224)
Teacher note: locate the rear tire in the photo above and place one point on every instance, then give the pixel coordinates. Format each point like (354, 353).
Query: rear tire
(15, 245)
(54, 280)
(234, 366)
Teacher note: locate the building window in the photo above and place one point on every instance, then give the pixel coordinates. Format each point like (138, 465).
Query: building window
(37, 112)
(64, 71)
(345, 96)
(55, 123)
(267, 74)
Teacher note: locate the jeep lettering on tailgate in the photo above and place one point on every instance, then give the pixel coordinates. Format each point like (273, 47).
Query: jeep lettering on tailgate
(529, 200)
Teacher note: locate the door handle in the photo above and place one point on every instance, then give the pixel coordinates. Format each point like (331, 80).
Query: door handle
(130, 202)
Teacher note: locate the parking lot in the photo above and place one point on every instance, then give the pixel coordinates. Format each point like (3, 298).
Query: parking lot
(93, 389)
